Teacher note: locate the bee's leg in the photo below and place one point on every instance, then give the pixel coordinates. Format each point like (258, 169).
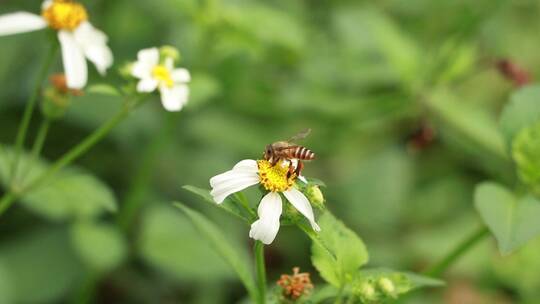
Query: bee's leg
(299, 168)
(274, 161)
(291, 169)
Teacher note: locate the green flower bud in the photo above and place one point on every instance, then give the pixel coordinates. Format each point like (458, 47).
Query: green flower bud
(367, 292)
(526, 154)
(125, 70)
(55, 103)
(315, 196)
(168, 51)
(387, 286)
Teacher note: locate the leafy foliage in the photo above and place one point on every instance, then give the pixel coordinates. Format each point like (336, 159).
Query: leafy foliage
(347, 251)
(512, 219)
(72, 193)
(521, 111)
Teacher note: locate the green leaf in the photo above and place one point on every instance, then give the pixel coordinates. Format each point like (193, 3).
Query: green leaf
(513, 220)
(101, 246)
(521, 111)
(70, 193)
(348, 251)
(415, 280)
(230, 204)
(39, 267)
(169, 242)
(102, 89)
(235, 258)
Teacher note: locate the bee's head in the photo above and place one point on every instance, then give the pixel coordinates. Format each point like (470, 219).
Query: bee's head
(268, 152)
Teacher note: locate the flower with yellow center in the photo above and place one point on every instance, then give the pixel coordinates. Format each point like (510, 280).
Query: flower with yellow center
(154, 73)
(78, 38)
(276, 180)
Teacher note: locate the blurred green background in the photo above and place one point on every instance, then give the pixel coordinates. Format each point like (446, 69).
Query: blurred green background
(364, 75)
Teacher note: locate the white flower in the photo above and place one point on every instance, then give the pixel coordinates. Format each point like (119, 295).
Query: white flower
(171, 82)
(79, 40)
(274, 179)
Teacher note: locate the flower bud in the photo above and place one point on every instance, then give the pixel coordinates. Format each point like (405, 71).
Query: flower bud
(168, 51)
(366, 291)
(54, 104)
(387, 286)
(125, 70)
(315, 196)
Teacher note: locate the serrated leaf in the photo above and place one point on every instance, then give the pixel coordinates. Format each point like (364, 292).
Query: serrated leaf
(512, 220)
(523, 110)
(230, 205)
(71, 193)
(100, 246)
(102, 89)
(232, 255)
(349, 252)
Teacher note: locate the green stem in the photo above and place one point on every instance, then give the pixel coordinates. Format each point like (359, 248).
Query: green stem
(38, 145)
(261, 271)
(29, 109)
(465, 245)
(81, 148)
(7, 200)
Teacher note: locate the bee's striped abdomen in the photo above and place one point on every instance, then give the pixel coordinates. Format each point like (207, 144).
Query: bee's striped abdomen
(302, 153)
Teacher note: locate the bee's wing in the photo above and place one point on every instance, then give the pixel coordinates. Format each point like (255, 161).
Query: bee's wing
(300, 135)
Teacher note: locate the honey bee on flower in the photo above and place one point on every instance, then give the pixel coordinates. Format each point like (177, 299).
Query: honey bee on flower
(277, 180)
(79, 40)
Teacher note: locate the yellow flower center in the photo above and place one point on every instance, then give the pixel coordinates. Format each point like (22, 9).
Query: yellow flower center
(274, 178)
(163, 75)
(65, 15)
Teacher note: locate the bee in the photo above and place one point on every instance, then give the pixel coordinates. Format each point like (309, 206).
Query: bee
(288, 151)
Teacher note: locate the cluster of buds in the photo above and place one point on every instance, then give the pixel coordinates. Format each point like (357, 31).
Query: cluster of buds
(294, 286)
(57, 97)
(378, 288)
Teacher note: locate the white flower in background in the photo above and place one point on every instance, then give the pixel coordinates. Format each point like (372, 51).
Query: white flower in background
(79, 40)
(159, 73)
(274, 179)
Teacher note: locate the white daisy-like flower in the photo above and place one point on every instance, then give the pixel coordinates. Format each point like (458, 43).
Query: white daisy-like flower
(79, 40)
(275, 179)
(155, 73)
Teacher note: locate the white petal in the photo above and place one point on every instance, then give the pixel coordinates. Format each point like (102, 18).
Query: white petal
(243, 175)
(94, 44)
(301, 203)
(243, 168)
(181, 75)
(149, 56)
(266, 227)
(141, 70)
(222, 190)
(20, 22)
(74, 62)
(147, 85)
(169, 63)
(175, 98)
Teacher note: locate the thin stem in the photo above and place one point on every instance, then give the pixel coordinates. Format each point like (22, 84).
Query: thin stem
(38, 145)
(29, 109)
(81, 148)
(7, 200)
(468, 243)
(261, 270)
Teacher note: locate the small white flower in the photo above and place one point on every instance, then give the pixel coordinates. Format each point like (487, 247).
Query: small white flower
(79, 40)
(154, 74)
(274, 179)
